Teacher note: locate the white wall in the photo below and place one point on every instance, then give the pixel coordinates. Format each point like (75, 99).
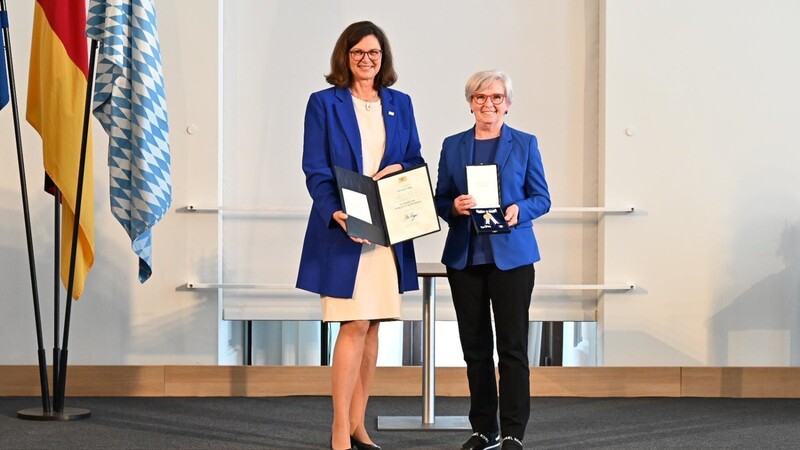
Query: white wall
(711, 89)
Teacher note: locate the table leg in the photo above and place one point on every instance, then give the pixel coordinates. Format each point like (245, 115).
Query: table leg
(428, 421)
(428, 344)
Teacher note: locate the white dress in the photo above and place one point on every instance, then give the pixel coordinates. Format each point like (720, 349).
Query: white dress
(376, 295)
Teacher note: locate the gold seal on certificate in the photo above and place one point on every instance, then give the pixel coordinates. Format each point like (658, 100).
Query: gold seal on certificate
(484, 186)
(396, 208)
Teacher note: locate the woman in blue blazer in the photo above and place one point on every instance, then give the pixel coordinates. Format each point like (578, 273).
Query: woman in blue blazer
(493, 273)
(361, 125)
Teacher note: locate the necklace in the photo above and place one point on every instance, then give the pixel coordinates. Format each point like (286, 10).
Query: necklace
(367, 103)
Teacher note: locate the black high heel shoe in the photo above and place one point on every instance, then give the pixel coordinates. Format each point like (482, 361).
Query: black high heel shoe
(358, 445)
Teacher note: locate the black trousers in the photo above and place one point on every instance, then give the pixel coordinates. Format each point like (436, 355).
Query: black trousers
(475, 290)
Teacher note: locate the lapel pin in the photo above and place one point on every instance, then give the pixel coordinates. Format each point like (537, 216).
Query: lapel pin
(391, 113)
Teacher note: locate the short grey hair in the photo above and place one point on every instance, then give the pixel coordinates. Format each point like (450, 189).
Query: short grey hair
(481, 80)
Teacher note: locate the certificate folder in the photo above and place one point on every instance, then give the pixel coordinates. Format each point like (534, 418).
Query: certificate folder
(396, 208)
(483, 184)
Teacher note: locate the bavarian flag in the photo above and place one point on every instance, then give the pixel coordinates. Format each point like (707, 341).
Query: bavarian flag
(56, 101)
(130, 103)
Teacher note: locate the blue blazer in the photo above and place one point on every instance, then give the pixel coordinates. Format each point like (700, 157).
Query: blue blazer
(329, 260)
(521, 182)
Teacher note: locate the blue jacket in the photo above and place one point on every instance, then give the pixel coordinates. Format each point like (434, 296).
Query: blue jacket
(329, 260)
(521, 182)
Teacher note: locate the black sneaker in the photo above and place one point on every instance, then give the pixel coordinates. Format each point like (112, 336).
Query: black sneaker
(511, 443)
(482, 441)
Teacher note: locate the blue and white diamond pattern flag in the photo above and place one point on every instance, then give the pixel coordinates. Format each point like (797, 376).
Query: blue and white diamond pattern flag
(129, 102)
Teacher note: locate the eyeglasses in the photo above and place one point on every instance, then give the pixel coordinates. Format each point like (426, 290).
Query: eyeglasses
(358, 54)
(496, 98)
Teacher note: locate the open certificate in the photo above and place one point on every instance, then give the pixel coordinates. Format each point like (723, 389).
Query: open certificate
(396, 208)
(484, 186)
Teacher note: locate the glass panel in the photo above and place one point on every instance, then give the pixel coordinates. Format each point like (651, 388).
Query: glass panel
(401, 343)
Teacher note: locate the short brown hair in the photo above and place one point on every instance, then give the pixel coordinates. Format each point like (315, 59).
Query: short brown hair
(340, 75)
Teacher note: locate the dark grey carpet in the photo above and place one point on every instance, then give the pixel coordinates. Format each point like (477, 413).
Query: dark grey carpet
(304, 423)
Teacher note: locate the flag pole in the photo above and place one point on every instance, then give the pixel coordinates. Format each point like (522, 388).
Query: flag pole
(62, 371)
(56, 281)
(26, 210)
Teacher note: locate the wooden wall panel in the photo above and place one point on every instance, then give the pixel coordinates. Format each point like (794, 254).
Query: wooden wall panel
(118, 381)
(741, 382)
(255, 381)
(266, 381)
(605, 382)
(246, 381)
(87, 381)
(21, 381)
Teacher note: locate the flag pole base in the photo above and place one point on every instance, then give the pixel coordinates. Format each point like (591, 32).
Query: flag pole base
(67, 414)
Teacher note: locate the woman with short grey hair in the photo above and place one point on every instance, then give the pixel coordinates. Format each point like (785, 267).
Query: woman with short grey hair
(489, 254)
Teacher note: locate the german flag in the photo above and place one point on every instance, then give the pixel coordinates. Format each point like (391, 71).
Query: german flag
(56, 95)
